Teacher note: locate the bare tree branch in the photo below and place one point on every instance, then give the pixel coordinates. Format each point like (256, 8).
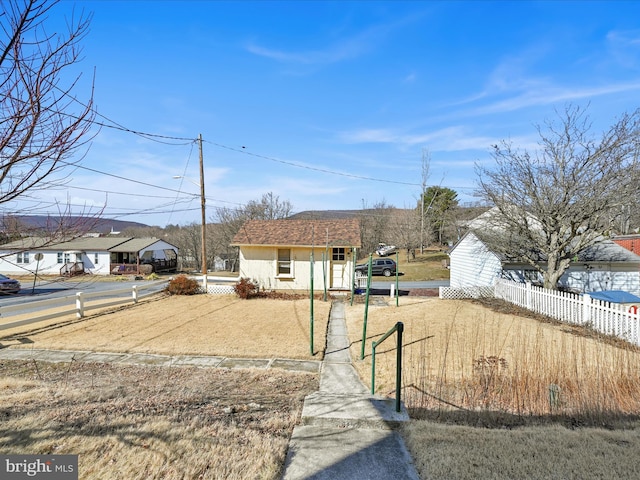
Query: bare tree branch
(43, 129)
(558, 200)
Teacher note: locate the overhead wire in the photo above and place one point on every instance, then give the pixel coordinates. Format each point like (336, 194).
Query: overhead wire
(186, 141)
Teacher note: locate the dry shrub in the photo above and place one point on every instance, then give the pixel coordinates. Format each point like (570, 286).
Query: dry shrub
(183, 285)
(245, 288)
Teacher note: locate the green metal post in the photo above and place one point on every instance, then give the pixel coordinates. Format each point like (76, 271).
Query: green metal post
(354, 256)
(311, 301)
(324, 276)
(373, 368)
(400, 326)
(397, 287)
(366, 307)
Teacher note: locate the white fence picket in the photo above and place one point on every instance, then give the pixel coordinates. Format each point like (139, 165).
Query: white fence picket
(605, 317)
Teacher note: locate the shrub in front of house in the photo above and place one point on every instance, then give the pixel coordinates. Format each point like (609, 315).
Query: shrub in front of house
(183, 285)
(245, 288)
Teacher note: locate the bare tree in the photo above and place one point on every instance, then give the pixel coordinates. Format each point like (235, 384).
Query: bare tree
(374, 226)
(229, 220)
(405, 225)
(270, 207)
(42, 126)
(426, 167)
(556, 201)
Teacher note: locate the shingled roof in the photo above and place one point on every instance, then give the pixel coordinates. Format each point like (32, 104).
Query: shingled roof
(335, 232)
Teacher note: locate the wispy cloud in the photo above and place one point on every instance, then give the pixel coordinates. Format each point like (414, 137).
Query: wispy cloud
(446, 139)
(346, 48)
(335, 53)
(512, 86)
(411, 78)
(624, 47)
(551, 95)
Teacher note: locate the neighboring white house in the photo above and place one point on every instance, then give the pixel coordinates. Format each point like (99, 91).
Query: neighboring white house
(100, 256)
(277, 253)
(604, 266)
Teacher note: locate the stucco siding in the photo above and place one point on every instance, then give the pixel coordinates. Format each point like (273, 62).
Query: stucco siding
(472, 264)
(260, 263)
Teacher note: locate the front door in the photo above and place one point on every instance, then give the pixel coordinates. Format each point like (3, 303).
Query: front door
(339, 273)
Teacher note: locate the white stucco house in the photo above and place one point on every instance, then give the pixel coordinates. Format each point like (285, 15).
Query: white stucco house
(100, 256)
(604, 266)
(277, 253)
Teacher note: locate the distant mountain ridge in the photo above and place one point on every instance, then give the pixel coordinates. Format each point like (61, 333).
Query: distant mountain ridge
(91, 225)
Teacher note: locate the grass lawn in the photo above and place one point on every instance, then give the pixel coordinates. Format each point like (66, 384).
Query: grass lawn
(219, 325)
(164, 423)
(144, 423)
(426, 266)
(476, 382)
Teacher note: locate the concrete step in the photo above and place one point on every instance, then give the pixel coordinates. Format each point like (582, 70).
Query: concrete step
(341, 379)
(352, 411)
(331, 453)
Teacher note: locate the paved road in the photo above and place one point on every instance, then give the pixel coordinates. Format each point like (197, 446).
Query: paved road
(45, 290)
(405, 285)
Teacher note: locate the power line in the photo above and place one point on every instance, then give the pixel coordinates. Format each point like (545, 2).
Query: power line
(128, 194)
(307, 167)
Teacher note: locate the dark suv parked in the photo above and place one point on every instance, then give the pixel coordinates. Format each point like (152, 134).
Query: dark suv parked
(379, 266)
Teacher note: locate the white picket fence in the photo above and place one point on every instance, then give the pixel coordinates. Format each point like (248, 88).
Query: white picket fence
(605, 317)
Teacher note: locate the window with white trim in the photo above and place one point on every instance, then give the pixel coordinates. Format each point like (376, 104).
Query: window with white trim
(60, 259)
(96, 257)
(285, 267)
(22, 257)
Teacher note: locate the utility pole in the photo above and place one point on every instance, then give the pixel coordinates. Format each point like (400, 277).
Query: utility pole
(204, 218)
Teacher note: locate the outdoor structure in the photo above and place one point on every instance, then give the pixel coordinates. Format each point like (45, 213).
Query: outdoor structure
(100, 256)
(630, 242)
(277, 253)
(604, 266)
(629, 301)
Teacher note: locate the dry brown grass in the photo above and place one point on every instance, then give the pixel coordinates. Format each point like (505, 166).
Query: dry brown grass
(152, 423)
(480, 380)
(198, 325)
(462, 355)
(164, 423)
(445, 451)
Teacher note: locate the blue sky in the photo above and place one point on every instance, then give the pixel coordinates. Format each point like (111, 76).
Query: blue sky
(303, 99)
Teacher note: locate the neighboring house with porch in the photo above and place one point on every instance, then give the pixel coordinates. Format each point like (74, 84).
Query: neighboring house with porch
(277, 253)
(603, 266)
(100, 256)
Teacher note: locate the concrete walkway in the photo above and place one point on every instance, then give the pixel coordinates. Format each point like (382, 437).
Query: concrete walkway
(346, 433)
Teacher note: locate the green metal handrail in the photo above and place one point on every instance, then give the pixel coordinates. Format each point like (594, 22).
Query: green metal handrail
(399, 327)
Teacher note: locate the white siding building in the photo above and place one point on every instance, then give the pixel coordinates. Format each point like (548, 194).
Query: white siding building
(277, 253)
(99, 256)
(604, 266)
(472, 264)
